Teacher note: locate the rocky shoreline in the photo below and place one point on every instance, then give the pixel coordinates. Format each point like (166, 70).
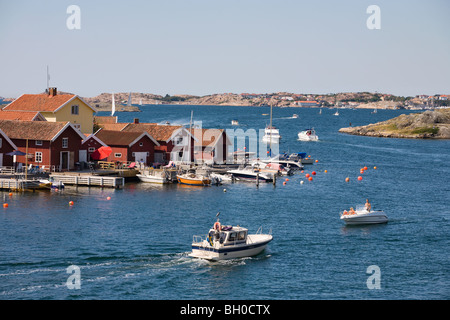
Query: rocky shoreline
(427, 125)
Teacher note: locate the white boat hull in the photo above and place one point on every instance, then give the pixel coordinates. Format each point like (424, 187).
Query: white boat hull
(372, 217)
(255, 244)
(152, 179)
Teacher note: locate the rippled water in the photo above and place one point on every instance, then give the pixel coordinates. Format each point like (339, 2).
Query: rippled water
(136, 245)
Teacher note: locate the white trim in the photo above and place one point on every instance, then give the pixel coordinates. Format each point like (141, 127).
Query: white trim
(176, 132)
(70, 100)
(8, 139)
(64, 128)
(92, 135)
(145, 133)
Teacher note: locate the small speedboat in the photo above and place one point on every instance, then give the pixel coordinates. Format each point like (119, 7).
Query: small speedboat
(229, 242)
(295, 116)
(363, 216)
(153, 178)
(234, 122)
(308, 135)
(251, 174)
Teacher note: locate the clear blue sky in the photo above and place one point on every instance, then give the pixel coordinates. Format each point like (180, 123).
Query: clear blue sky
(202, 47)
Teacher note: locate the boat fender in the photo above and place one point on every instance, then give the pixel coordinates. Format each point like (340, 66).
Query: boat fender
(210, 240)
(217, 225)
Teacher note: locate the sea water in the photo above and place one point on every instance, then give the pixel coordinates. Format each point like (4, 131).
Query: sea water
(136, 244)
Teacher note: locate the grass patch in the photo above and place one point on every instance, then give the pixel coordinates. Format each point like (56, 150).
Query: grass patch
(424, 130)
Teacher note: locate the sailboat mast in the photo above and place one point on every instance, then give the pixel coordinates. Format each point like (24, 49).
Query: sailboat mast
(113, 108)
(190, 131)
(270, 131)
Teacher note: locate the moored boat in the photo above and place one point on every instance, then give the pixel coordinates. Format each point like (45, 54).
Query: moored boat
(229, 242)
(251, 174)
(193, 179)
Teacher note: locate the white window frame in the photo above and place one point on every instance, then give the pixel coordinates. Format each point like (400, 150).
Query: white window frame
(91, 149)
(117, 155)
(38, 156)
(65, 143)
(38, 142)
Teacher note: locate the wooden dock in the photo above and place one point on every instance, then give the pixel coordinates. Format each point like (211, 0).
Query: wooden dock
(19, 184)
(89, 180)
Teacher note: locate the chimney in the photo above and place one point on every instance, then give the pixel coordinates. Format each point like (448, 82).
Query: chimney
(52, 92)
(136, 120)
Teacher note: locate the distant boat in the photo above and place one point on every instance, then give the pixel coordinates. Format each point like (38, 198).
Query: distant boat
(140, 102)
(295, 116)
(320, 112)
(193, 179)
(234, 122)
(336, 113)
(271, 134)
(374, 111)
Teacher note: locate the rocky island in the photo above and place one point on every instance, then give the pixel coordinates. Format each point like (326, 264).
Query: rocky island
(427, 125)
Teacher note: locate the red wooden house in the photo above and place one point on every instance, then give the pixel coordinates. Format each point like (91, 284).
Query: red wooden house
(173, 140)
(128, 146)
(52, 145)
(88, 147)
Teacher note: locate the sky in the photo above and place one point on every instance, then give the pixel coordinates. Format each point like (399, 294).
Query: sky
(202, 47)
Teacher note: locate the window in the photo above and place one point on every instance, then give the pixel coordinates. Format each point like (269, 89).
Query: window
(38, 142)
(117, 155)
(179, 141)
(65, 142)
(77, 126)
(141, 144)
(38, 157)
(91, 149)
(1, 142)
(75, 109)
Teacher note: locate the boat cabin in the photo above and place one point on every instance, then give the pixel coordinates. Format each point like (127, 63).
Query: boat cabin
(228, 235)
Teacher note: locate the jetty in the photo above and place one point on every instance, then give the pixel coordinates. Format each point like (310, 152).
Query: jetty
(89, 180)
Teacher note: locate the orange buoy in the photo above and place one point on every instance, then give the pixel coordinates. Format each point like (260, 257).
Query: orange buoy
(317, 160)
(287, 179)
(108, 198)
(10, 194)
(302, 171)
(365, 168)
(375, 168)
(326, 171)
(70, 203)
(310, 179)
(347, 179)
(307, 175)
(359, 178)
(284, 183)
(313, 173)
(5, 205)
(361, 171)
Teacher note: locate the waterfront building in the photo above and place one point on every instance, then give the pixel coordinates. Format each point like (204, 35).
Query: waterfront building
(52, 145)
(56, 107)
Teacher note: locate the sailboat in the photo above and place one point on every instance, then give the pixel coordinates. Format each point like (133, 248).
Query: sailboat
(129, 100)
(113, 108)
(336, 113)
(271, 134)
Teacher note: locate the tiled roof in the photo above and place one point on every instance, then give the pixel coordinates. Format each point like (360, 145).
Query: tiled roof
(39, 102)
(159, 132)
(207, 137)
(117, 138)
(112, 126)
(21, 115)
(105, 119)
(33, 130)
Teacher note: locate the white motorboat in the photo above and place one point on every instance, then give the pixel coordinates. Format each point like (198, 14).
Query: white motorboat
(271, 134)
(153, 178)
(295, 116)
(234, 122)
(363, 216)
(272, 168)
(336, 113)
(251, 174)
(229, 242)
(308, 135)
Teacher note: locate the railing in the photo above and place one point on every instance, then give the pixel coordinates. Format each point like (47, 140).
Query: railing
(114, 182)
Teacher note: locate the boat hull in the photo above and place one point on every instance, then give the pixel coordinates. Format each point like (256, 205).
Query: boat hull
(250, 176)
(194, 182)
(256, 245)
(152, 179)
(365, 218)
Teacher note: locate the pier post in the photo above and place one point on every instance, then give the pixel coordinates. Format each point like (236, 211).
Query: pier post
(274, 180)
(257, 179)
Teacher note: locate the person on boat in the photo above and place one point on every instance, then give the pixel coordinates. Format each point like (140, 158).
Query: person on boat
(352, 211)
(368, 205)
